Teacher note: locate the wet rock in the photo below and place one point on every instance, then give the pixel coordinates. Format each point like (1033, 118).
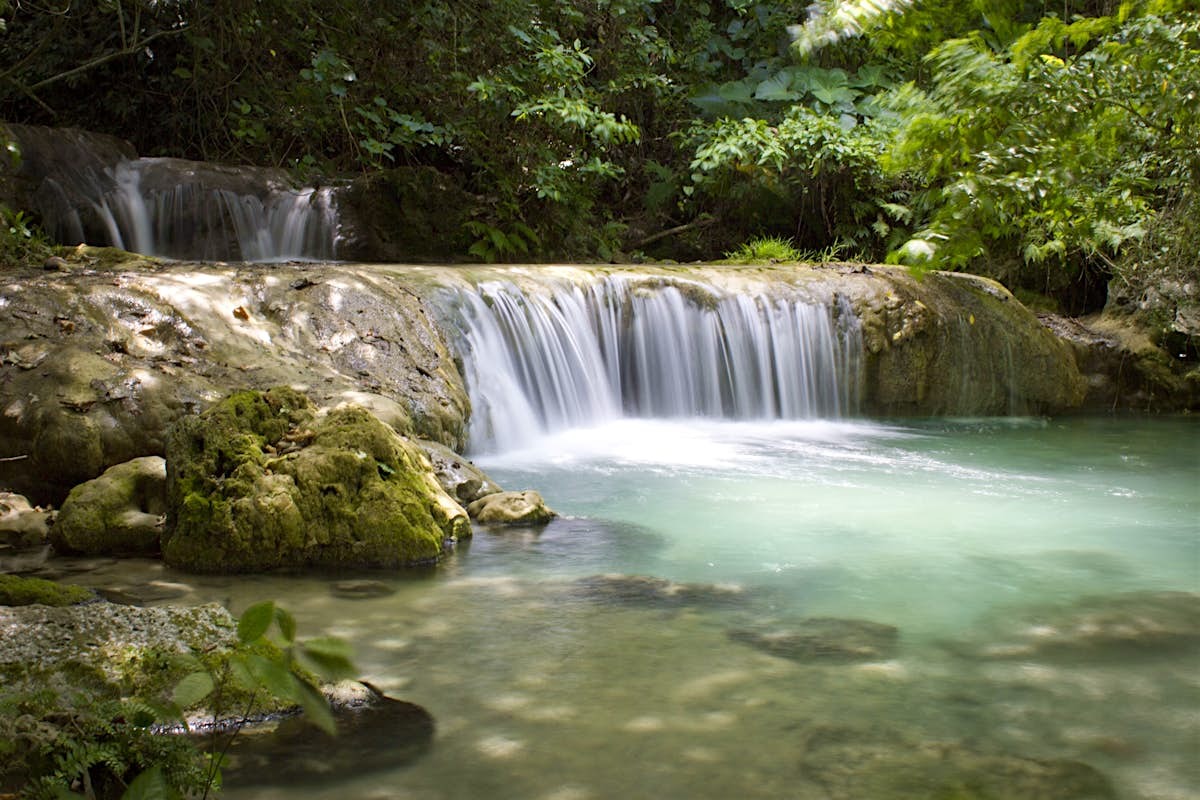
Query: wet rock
(262, 481)
(1122, 366)
(957, 344)
(825, 639)
(511, 508)
(21, 524)
(361, 589)
(95, 365)
(1122, 625)
(16, 591)
(105, 639)
(145, 593)
(458, 476)
(381, 733)
(649, 590)
(852, 764)
(119, 513)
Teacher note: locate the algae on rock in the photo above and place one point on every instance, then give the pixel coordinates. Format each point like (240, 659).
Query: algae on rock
(121, 512)
(17, 591)
(262, 480)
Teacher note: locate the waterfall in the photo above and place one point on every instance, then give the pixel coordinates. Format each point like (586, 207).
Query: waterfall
(171, 209)
(561, 354)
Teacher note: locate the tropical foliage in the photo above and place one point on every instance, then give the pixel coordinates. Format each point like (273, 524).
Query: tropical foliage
(1049, 144)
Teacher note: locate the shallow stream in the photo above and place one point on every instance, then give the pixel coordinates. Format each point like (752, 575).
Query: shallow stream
(976, 539)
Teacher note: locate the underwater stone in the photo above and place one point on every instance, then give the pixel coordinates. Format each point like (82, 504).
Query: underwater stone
(649, 590)
(1129, 624)
(825, 639)
(361, 589)
(853, 764)
(380, 733)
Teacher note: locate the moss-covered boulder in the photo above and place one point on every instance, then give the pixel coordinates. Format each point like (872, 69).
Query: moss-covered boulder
(511, 508)
(262, 481)
(17, 591)
(119, 513)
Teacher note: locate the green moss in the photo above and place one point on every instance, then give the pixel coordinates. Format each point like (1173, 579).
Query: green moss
(261, 482)
(16, 591)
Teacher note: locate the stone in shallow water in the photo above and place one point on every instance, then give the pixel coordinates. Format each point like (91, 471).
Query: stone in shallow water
(383, 734)
(649, 590)
(361, 589)
(143, 593)
(511, 508)
(1131, 623)
(824, 639)
(854, 765)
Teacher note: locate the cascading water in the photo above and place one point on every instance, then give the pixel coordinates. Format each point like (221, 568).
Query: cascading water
(563, 355)
(177, 214)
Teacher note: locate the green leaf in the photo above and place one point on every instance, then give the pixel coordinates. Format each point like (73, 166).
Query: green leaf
(287, 625)
(192, 689)
(776, 88)
(150, 785)
(329, 656)
(316, 708)
(255, 620)
(275, 678)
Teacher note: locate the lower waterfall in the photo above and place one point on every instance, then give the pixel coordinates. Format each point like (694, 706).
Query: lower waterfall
(545, 356)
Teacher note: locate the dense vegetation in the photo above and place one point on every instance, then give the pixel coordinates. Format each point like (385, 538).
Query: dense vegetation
(1052, 145)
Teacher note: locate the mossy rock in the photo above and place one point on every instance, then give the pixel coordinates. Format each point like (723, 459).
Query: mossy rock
(15, 591)
(119, 513)
(263, 481)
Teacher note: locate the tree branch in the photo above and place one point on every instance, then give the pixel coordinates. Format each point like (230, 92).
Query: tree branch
(654, 237)
(137, 47)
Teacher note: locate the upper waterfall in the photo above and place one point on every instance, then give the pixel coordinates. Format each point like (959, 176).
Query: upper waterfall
(555, 354)
(92, 189)
(182, 215)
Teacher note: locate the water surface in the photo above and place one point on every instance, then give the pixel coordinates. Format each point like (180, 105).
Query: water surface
(956, 532)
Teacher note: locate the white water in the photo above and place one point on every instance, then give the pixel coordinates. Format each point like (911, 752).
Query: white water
(561, 355)
(192, 221)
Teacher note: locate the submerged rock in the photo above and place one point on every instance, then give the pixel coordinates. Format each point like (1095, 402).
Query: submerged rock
(22, 524)
(119, 513)
(853, 765)
(821, 639)
(511, 508)
(140, 594)
(262, 481)
(649, 590)
(381, 733)
(361, 589)
(1120, 625)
